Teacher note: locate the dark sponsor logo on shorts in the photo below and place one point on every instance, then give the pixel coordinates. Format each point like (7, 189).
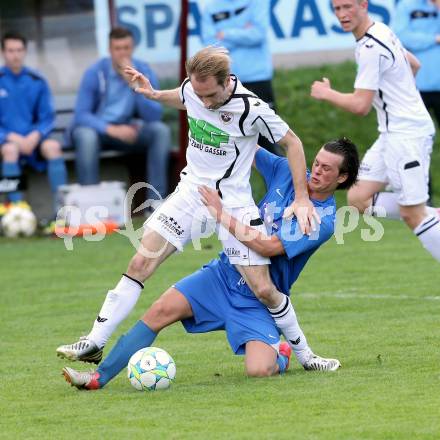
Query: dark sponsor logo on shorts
(170, 224)
(364, 167)
(232, 252)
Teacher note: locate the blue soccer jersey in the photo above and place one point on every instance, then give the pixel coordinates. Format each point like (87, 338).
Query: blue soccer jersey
(285, 269)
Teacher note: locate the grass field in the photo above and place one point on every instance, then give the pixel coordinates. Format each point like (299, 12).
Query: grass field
(373, 305)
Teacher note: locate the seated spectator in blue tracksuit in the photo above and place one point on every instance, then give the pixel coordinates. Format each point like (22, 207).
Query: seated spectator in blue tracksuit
(26, 118)
(242, 27)
(417, 24)
(109, 115)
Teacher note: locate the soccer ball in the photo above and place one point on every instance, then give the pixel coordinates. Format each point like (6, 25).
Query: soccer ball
(151, 369)
(19, 221)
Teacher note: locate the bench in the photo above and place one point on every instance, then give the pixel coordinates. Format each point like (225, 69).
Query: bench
(64, 107)
(115, 165)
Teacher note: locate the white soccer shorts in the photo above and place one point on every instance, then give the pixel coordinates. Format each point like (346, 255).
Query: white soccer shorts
(402, 163)
(183, 217)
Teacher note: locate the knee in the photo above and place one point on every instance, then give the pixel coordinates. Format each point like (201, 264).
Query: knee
(141, 267)
(406, 216)
(162, 129)
(262, 370)
(10, 152)
(84, 136)
(161, 132)
(51, 149)
(264, 291)
(158, 313)
(161, 314)
(412, 217)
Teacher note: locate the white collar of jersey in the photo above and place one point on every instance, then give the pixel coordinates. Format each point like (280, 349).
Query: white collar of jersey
(235, 79)
(366, 31)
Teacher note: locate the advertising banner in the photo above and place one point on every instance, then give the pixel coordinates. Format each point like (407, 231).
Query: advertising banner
(296, 26)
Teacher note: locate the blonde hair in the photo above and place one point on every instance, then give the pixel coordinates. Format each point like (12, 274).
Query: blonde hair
(210, 61)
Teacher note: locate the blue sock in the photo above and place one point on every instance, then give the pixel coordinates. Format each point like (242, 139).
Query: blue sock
(56, 171)
(139, 336)
(57, 174)
(282, 362)
(12, 169)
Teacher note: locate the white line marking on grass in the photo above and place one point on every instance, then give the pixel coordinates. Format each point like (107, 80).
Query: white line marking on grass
(342, 295)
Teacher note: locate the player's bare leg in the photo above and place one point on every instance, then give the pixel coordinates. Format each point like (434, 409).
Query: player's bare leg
(120, 301)
(426, 226)
(279, 306)
(281, 309)
(261, 360)
(422, 220)
(172, 306)
(152, 252)
(259, 281)
(413, 215)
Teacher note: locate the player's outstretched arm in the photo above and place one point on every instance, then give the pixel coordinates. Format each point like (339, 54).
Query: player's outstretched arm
(265, 245)
(359, 102)
(301, 207)
(140, 84)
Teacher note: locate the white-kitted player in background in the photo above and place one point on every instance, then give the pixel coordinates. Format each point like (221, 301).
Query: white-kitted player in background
(400, 156)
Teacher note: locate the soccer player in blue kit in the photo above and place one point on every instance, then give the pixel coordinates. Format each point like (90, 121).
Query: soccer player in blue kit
(216, 297)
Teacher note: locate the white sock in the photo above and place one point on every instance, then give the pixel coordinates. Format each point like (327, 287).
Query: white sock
(433, 211)
(118, 304)
(428, 232)
(285, 318)
(387, 202)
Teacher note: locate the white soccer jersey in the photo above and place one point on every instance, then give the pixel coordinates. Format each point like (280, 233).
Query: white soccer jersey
(222, 142)
(383, 67)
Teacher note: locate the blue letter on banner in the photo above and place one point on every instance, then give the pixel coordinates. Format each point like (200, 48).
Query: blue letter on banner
(152, 25)
(300, 22)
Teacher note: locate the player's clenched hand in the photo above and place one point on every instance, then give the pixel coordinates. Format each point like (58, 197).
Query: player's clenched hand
(211, 200)
(31, 142)
(26, 144)
(305, 213)
(139, 83)
(320, 88)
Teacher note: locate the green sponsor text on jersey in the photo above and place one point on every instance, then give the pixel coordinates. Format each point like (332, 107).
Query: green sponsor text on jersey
(206, 133)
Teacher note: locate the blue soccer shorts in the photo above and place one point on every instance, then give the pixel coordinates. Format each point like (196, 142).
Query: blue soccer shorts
(220, 303)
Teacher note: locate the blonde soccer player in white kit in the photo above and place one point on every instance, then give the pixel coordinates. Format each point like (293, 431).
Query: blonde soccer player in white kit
(400, 157)
(225, 120)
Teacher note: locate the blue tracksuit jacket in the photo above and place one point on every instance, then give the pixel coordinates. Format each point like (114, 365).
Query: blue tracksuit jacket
(245, 24)
(92, 91)
(25, 103)
(416, 23)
